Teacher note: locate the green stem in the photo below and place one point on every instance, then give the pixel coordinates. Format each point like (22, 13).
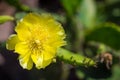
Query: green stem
(74, 59)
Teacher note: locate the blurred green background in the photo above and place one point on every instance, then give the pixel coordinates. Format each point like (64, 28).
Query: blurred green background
(92, 28)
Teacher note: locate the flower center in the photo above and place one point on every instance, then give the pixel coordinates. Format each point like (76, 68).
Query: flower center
(35, 45)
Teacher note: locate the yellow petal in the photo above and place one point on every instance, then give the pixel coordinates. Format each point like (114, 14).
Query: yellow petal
(46, 63)
(56, 42)
(21, 48)
(37, 59)
(23, 30)
(32, 18)
(12, 41)
(26, 61)
(49, 52)
(55, 28)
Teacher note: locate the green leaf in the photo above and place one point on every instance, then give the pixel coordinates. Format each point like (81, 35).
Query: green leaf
(109, 34)
(87, 13)
(19, 15)
(74, 59)
(70, 6)
(5, 18)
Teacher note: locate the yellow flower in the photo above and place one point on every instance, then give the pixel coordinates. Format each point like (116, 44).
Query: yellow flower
(37, 40)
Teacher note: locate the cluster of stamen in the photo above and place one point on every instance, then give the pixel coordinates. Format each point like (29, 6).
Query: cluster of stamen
(35, 45)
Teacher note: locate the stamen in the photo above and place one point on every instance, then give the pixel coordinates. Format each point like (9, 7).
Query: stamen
(35, 45)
